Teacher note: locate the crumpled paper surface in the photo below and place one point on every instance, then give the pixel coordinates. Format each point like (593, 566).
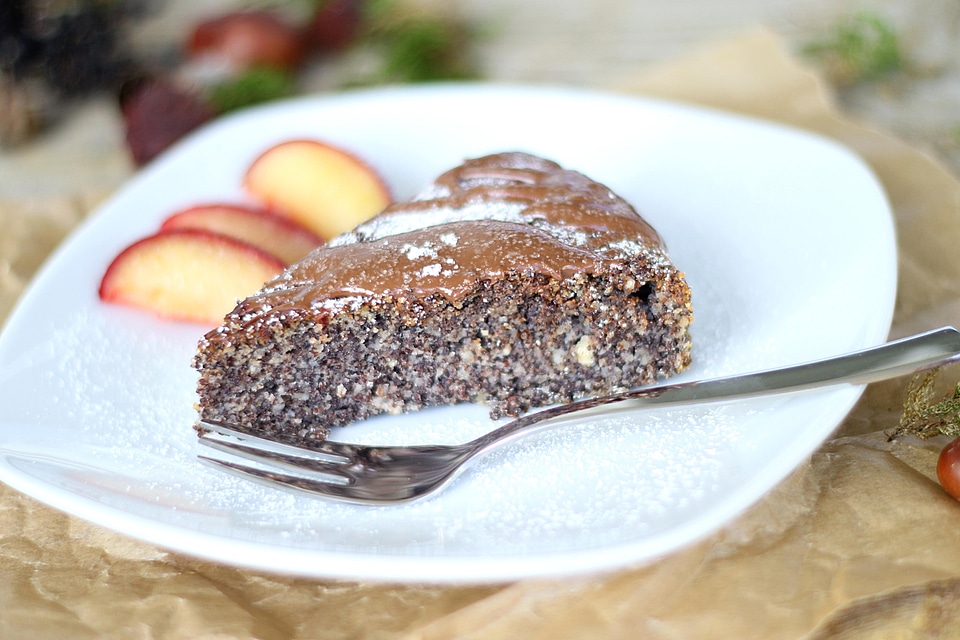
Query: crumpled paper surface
(861, 542)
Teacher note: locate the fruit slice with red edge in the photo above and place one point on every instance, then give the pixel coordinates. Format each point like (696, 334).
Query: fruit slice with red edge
(277, 235)
(325, 188)
(187, 274)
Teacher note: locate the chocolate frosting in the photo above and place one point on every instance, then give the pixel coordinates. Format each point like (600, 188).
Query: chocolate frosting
(481, 220)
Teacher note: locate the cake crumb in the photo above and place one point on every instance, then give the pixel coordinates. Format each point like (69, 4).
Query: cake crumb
(583, 350)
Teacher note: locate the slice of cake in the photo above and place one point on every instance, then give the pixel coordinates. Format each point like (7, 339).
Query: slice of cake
(509, 282)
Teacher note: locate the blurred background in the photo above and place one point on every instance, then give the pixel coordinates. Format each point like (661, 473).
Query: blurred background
(893, 62)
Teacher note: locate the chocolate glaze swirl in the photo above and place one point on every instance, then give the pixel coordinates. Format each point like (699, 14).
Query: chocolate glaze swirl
(518, 187)
(481, 220)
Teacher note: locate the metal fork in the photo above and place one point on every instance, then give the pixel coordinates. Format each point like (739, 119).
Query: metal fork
(391, 474)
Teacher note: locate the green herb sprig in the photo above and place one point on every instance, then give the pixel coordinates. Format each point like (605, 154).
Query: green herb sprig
(922, 416)
(254, 86)
(863, 47)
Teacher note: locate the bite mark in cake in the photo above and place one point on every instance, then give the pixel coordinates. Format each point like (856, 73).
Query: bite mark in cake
(509, 281)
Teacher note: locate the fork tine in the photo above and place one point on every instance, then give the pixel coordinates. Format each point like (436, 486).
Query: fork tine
(312, 486)
(296, 461)
(324, 447)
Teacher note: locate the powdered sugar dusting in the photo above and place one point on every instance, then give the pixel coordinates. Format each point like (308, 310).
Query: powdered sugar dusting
(415, 252)
(430, 270)
(336, 305)
(124, 386)
(449, 239)
(405, 221)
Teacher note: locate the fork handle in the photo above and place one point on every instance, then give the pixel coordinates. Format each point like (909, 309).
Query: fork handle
(890, 360)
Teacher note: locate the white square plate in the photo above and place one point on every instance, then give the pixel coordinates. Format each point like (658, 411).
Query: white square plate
(786, 239)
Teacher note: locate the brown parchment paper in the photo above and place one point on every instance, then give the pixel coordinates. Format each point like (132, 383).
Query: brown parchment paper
(858, 543)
